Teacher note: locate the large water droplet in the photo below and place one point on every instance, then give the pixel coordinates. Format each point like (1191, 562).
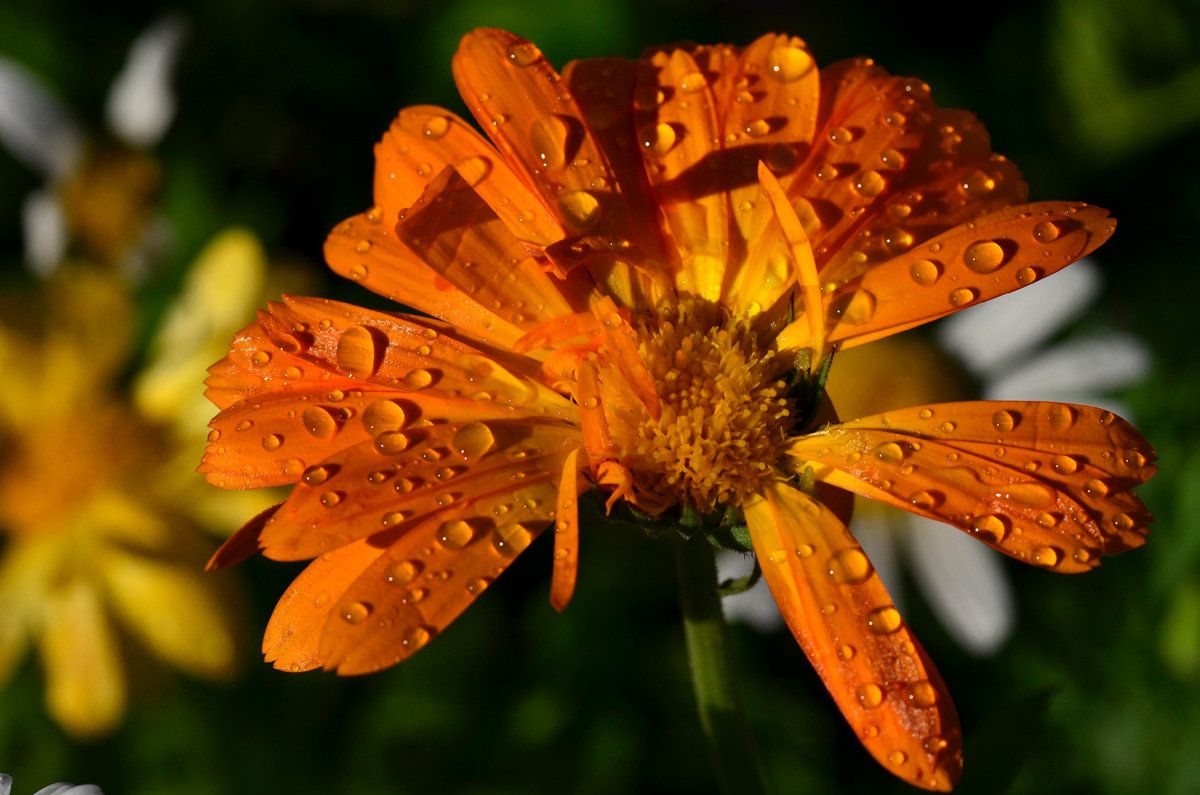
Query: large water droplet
(1045, 232)
(963, 296)
(849, 566)
(870, 695)
(925, 272)
(1044, 556)
(990, 528)
(983, 256)
(884, 620)
(1004, 421)
(658, 138)
(1031, 494)
(356, 612)
(320, 422)
(415, 638)
(474, 169)
(356, 352)
(473, 440)
(511, 539)
(382, 416)
(391, 442)
(889, 452)
(402, 572)
(522, 53)
(788, 64)
(1095, 488)
(436, 127)
(418, 379)
(548, 137)
(854, 308)
(272, 442)
(977, 185)
(921, 694)
(1062, 416)
(454, 534)
(580, 210)
(869, 183)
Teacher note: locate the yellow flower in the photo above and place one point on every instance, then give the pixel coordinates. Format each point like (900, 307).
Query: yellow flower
(636, 289)
(97, 499)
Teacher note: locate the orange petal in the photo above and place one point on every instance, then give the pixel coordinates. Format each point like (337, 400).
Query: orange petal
(243, 544)
(463, 241)
(836, 606)
(566, 535)
(991, 256)
(792, 231)
(422, 142)
(293, 636)
(404, 477)
(365, 250)
(620, 346)
(530, 114)
(888, 170)
(427, 574)
(1048, 483)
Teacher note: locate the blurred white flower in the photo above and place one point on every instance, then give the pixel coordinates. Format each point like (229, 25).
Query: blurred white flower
(39, 131)
(1004, 344)
(62, 788)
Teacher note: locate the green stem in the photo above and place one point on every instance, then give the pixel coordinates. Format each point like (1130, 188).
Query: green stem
(709, 655)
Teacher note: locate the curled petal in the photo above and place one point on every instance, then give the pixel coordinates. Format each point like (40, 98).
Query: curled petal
(836, 606)
(1048, 483)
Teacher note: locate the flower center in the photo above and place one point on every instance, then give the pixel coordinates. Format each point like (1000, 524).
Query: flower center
(725, 410)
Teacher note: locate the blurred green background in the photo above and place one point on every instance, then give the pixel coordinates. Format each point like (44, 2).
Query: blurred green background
(279, 104)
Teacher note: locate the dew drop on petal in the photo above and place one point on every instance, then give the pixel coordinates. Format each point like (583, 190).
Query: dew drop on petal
(869, 183)
(989, 527)
(454, 534)
(1045, 232)
(272, 442)
(1026, 275)
(1062, 416)
(356, 353)
(522, 53)
(548, 137)
(963, 296)
(890, 452)
(318, 421)
(848, 566)
(1095, 488)
(580, 210)
(402, 572)
(1044, 556)
(658, 138)
(382, 416)
(869, 695)
(1064, 464)
(788, 64)
(897, 758)
(757, 128)
(692, 82)
(415, 638)
(418, 379)
(921, 694)
(473, 440)
(391, 443)
(1004, 421)
(924, 272)
(883, 620)
(983, 256)
(356, 612)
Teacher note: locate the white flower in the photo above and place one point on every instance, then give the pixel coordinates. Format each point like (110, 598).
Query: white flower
(61, 788)
(39, 131)
(1003, 343)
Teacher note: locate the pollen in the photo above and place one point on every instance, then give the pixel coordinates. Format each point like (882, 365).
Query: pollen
(725, 408)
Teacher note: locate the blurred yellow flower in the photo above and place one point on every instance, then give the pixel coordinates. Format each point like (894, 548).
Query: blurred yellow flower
(97, 491)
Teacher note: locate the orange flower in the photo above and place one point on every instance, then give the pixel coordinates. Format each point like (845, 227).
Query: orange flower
(634, 288)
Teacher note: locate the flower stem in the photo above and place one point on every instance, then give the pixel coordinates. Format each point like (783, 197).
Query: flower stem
(722, 714)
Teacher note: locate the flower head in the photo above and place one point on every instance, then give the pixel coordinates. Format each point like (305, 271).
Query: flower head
(636, 288)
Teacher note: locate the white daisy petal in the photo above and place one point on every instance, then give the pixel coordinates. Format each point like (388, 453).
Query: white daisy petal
(756, 606)
(64, 788)
(990, 335)
(5, 784)
(876, 531)
(45, 230)
(1096, 364)
(34, 125)
(141, 103)
(962, 580)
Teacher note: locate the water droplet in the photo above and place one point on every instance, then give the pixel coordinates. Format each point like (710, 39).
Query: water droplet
(788, 64)
(473, 440)
(884, 620)
(1095, 488)
(293, 467)
(318, 421)
(455, 534)
(330, 498)
(921, 694)
(1062, 416)
(896, 241)
(889, 452)
(990, 528)
(511, 539)
(1026, 275)
(548, 137)
(840, 136)
(845, 652)
(401, 572)
(828, 609)
(925, 272)
(827, 172)
(804, 551)
(474, 169)
(1081, 555)
(869, 183)
(870, 695)
(522, 53)
(897, 758)
(272, 441)
(356, 352)
(848, 566)
(356, 612)
(358, 272)
(391, 443)
(382, 416)
(977, 185)
(1046, 520)
(244, 425)
(692, 82)
(854, 308)
(580, 210)
(418, 379)
(983, 256)
(476, 585)
(1123, 522)
(892, 159)
(963, 296)
(658, 138)
(1004, 421)
(260, 358)
(1045, 232)
(923, 500)
(1044, 556)
(415, 638)
(757, 128)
